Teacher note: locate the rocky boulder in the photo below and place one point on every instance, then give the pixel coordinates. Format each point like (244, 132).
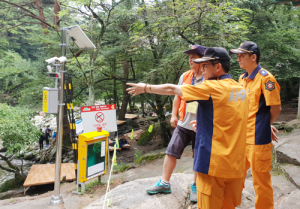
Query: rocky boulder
(288, 149)
(28, 156)
(290, 201)
(294, 123)
(134, 196)
(2, 149)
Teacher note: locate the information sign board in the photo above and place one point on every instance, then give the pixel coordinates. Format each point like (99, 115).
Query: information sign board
(104, 116)
(92, 154)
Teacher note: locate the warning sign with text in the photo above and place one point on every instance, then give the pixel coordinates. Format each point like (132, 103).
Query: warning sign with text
(99, 116)
(45, 101)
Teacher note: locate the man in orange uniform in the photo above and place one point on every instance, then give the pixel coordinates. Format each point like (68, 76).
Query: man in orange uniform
(221, 129)
(265, 106)
(183, 134)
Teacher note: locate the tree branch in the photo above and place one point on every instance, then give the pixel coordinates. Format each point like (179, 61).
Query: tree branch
(6, 169)
(22, 24)
(31, 13)
(9, 164)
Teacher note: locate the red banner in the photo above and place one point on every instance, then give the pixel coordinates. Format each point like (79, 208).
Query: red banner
(98, 108)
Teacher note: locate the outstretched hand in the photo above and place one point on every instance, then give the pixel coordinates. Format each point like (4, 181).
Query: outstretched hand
(136, 89)
(273, 135)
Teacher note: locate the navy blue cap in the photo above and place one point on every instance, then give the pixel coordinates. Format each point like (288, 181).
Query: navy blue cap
(214, 53)
(246, 47)
(196, 49)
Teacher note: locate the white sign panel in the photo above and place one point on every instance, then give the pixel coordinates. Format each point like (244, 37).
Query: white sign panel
(104, 116)
(78, 127)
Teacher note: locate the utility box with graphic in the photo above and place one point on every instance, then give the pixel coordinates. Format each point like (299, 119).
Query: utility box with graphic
(92, 154)
(50, 100)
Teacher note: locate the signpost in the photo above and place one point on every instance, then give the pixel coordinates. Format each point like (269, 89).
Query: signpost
(103, 116)
(83, 42)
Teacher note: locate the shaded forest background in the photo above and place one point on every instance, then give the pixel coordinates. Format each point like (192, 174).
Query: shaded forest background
(137, 41)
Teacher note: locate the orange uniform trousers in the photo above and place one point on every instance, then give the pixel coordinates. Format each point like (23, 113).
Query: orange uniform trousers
(259, 158)
(218, 193)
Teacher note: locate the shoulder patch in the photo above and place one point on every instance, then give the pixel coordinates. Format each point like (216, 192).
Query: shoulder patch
(270, 85)
(263, 72)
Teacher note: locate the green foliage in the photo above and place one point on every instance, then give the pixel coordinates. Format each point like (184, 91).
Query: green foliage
(137, 154)
(22, 79)
(122, 167)
(138, 41)
(16, 128)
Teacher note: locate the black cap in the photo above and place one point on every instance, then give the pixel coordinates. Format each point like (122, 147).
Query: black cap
(214, 53)
(196, 49)
(246, 47)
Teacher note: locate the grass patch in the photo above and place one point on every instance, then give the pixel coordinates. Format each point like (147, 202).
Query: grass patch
(122, 167)
(90, 187)
(149, 158)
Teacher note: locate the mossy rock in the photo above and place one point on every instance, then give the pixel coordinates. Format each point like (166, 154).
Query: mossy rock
(147, 136)
(11, 184)
(149, 158)
(279, 126)
(288, 128)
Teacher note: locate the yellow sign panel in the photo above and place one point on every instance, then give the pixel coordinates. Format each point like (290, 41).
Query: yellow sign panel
(192, 107)
(92, 154)
(45, 101)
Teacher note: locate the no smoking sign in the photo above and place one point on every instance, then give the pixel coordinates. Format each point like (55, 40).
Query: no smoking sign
(103, 116)
(99, 117)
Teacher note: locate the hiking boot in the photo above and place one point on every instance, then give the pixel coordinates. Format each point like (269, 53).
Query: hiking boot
(193, 196)
(159, 188)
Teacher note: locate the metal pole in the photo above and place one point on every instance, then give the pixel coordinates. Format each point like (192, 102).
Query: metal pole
(56, 199)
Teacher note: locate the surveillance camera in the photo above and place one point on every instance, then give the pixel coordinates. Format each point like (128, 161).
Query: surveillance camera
(62, 59)
(49, 68)
(51, 60)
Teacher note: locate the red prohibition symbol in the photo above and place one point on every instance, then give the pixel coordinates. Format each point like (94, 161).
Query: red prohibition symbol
(99, 117)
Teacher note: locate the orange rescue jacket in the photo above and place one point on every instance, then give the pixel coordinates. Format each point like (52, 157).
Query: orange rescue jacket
(187, 79)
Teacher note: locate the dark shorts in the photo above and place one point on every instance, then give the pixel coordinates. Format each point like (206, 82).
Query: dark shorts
(180, 139)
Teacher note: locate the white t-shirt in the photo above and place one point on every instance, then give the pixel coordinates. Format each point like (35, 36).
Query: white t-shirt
(188, 116)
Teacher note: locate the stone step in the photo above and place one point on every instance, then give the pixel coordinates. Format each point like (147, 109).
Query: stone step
(281, 188)
(290, 201)
(292, 173)
(288, 149)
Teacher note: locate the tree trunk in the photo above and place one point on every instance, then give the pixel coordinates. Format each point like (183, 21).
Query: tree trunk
(91, 100)
(126, 96)
(115, 82)
(164, 131)
(56, 11)
(42, 16)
